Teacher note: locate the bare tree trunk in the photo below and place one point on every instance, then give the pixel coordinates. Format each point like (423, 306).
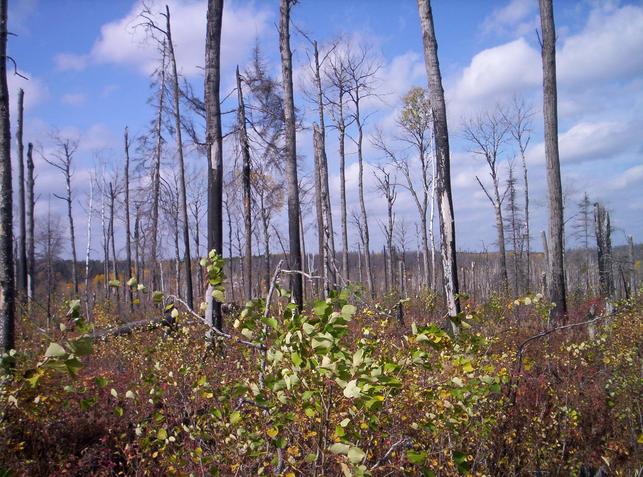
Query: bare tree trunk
(112, 199)
(527, 233)
(321, 209)
(291, 152)
(137, 246)
(31, 244)
(342, 185)
(21, 259)
(632, 263)
(329, 240)
(443, 174)
(247, 198)
(72, 234)
(214, 140)
(546, 252)
(7, 284)
(183, 204)
(362, 203)
(556, 283)
(604, 247)
(89, 239)
(128, 232)
(156, 174)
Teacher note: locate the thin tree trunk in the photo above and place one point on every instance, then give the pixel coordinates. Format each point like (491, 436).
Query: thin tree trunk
(320, 206)
(556, 285)
(156, 174)
(7, 284)
(247, 198)
(342, 184)
(443, 173)
(88, 249)
(128, 232)
(21, 259)
(291, 152)
(183, 203)
(31, 244)
(72, 234)
(214, 140)
(527, 233)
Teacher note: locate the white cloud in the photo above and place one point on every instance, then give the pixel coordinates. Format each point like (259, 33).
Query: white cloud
(513, 17)
(123, 42)
(609, 47)
(73, 99)
(587, 141)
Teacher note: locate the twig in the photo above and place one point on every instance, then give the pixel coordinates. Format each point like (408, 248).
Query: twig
(402, 441)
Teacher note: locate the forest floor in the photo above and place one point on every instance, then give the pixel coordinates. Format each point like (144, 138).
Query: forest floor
(337, 390)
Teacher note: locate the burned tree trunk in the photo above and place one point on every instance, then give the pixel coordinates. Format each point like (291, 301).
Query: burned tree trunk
(443, 173)
(21, 259)
(556, 285)
(183, 204)
(128, 233)
(604, 246)
(291, 152)
(7, 285)
(214, 141)
(31, 244)
(247, 198)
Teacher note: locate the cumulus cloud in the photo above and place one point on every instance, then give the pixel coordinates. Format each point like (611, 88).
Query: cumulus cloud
(512, 18)
(125, 42)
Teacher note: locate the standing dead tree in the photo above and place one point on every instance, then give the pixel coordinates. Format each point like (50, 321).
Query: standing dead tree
(291, 152)
(214, 141)
(362, 71)
(31, 204)
(519, 118)
(166, 42)
(7, 284)
(62, 160)
(604, 245)
(337, 75)
(387, 185)
(487, 133)
(443, 167)
(21, 259)
(556, 285)
(128, 232)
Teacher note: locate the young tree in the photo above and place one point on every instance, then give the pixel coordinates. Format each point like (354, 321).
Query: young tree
(556, 285)
(7, 285)
(513, 225)
(291, 152)
(214, 141)
(62, 160)
(486, 134)
(443, 172)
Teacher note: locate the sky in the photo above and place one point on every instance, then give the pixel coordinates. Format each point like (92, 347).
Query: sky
(89, 77)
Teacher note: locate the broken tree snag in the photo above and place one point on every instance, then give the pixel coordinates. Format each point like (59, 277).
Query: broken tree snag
(604, 249)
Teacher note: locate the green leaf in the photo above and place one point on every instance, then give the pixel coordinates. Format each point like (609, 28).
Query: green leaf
(296, 359)
(235, 417)
(157, 297)
(415, 457)
(356, 455)
(161, 434)
(218, 295)
(81, 346)
(339, 448)
(348, 311)
(352, 389)
(55, 351)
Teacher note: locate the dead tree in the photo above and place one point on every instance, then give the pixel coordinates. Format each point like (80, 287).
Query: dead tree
(519, 119)
(387, 185)
(214, 141)
(486, 134)
(21, 259)
(291, 152)
(7, 284)
(128, 233)
(556, 284)
(62, 160)
(513, 225)
(361, 74)
(31, 203)
(337, 75)
(604, 247)
(247, 198)
(443, 169)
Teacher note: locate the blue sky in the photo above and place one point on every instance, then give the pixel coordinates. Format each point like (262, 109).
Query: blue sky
(89, 77)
